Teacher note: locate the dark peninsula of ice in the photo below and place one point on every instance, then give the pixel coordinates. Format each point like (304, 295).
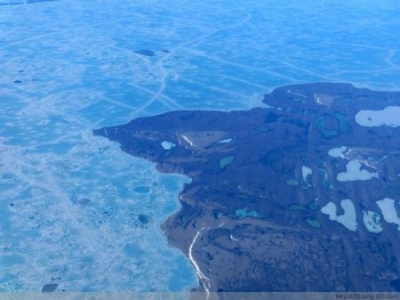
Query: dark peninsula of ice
(301, 196)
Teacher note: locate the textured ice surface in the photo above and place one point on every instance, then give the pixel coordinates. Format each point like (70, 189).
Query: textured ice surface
(69, 210)
(372, 221)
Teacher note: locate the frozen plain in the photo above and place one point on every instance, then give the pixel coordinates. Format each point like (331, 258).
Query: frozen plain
(70, 202)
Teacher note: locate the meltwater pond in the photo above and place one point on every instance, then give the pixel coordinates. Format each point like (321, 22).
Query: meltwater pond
(78, 214)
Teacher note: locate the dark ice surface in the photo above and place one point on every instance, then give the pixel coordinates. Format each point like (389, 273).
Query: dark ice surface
(143, 219)
(145, 52)
(247, 219)
(49, 287)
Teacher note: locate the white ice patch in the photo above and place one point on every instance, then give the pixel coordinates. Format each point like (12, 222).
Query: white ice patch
(225, 141)
(187, 140)
(388, 116)
(348, 219)
(372, 221)
(354, 172)
(167, 145)
(330, 210)
(306, 172)
(337, 152)
(389, 211)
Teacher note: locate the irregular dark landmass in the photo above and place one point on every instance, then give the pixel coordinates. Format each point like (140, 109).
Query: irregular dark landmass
(250, 219)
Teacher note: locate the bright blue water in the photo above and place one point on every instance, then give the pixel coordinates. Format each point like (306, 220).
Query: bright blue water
(68, 205)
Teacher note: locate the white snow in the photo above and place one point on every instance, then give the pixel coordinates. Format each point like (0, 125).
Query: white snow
(389, 116)
(337, 152)
(348, 219)
(388, 209)
(167, 145)
(354, 173)
(225, 141)
(306, 172)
